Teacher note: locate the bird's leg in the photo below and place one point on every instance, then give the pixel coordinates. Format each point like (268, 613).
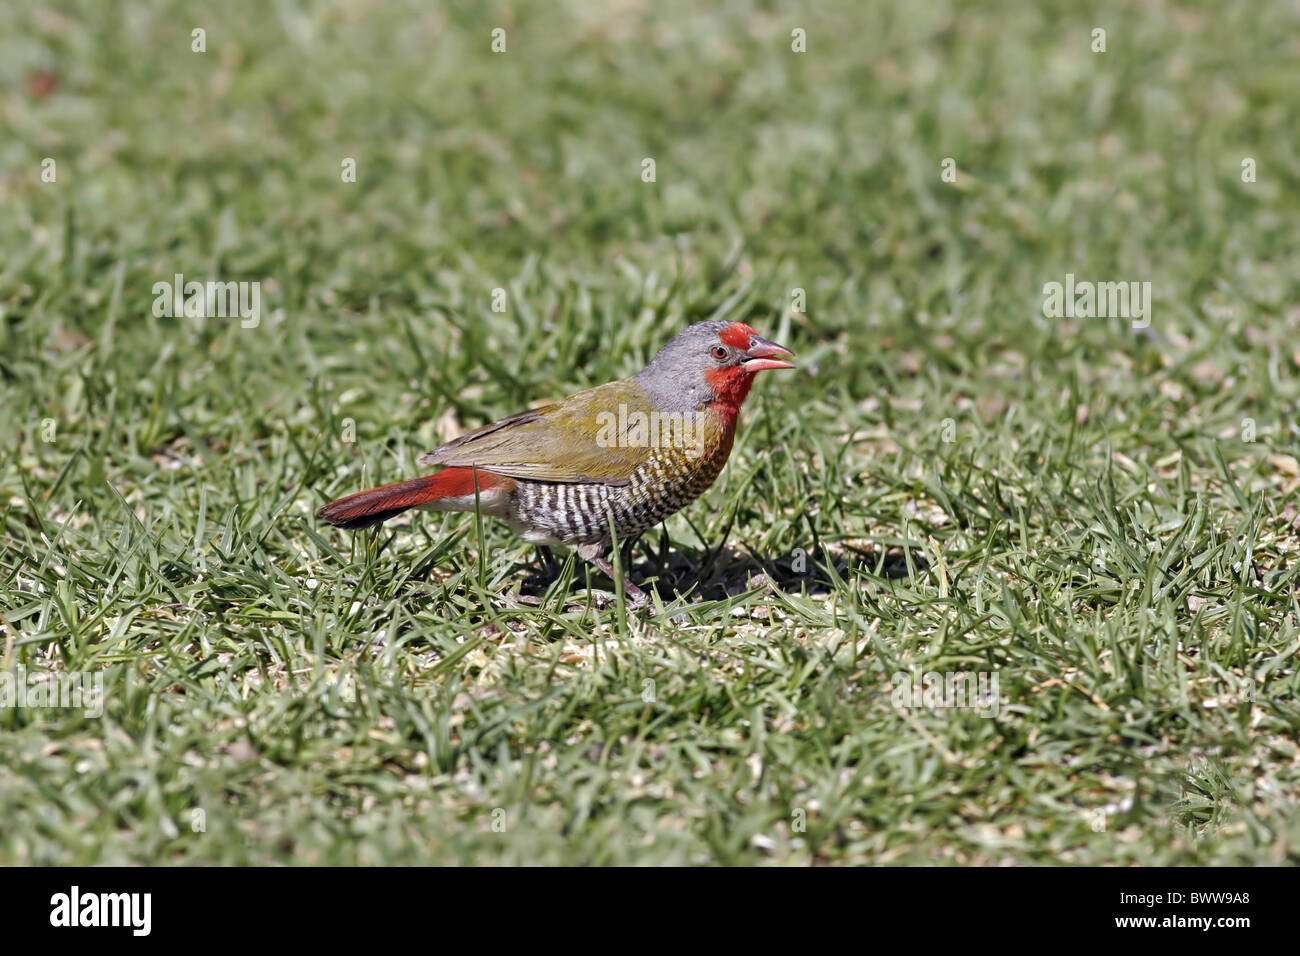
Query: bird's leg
(636, 596)
(625, 550)
(548, 572)
(661, 556)
(550, 567)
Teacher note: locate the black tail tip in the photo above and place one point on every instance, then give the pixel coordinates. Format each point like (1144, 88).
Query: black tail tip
(356, 522)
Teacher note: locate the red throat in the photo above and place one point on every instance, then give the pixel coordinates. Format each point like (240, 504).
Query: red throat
(730, 385)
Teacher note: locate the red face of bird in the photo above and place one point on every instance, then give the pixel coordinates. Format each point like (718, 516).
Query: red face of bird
(741, 350)
(710, 362)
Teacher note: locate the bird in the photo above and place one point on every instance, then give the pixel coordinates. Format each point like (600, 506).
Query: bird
(602, 465)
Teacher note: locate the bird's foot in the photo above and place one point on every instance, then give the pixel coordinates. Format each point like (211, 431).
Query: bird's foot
(549, 567)
(635, 596)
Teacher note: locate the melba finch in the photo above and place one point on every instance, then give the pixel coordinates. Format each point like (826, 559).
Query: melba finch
(629, 453)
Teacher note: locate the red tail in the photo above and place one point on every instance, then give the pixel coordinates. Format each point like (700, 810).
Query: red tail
(367, 508)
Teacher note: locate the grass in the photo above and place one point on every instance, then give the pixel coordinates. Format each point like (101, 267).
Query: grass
(1104, 519)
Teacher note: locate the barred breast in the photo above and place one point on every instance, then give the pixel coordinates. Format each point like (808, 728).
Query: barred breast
(573, 514)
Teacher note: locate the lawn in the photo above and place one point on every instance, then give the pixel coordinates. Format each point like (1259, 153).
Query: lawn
(1098, 515)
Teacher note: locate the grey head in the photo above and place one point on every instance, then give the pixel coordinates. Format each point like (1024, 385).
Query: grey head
(688, 371)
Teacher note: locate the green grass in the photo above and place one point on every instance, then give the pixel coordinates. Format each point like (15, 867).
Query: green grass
(1099, 533)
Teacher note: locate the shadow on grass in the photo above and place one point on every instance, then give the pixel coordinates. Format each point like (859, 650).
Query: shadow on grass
(719, 575)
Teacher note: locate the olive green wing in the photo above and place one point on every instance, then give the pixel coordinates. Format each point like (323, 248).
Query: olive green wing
(581, 439)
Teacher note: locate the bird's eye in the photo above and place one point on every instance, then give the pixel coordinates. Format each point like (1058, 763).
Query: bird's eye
(719, 352)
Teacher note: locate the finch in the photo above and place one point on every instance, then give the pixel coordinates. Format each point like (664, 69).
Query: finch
(625, 455)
